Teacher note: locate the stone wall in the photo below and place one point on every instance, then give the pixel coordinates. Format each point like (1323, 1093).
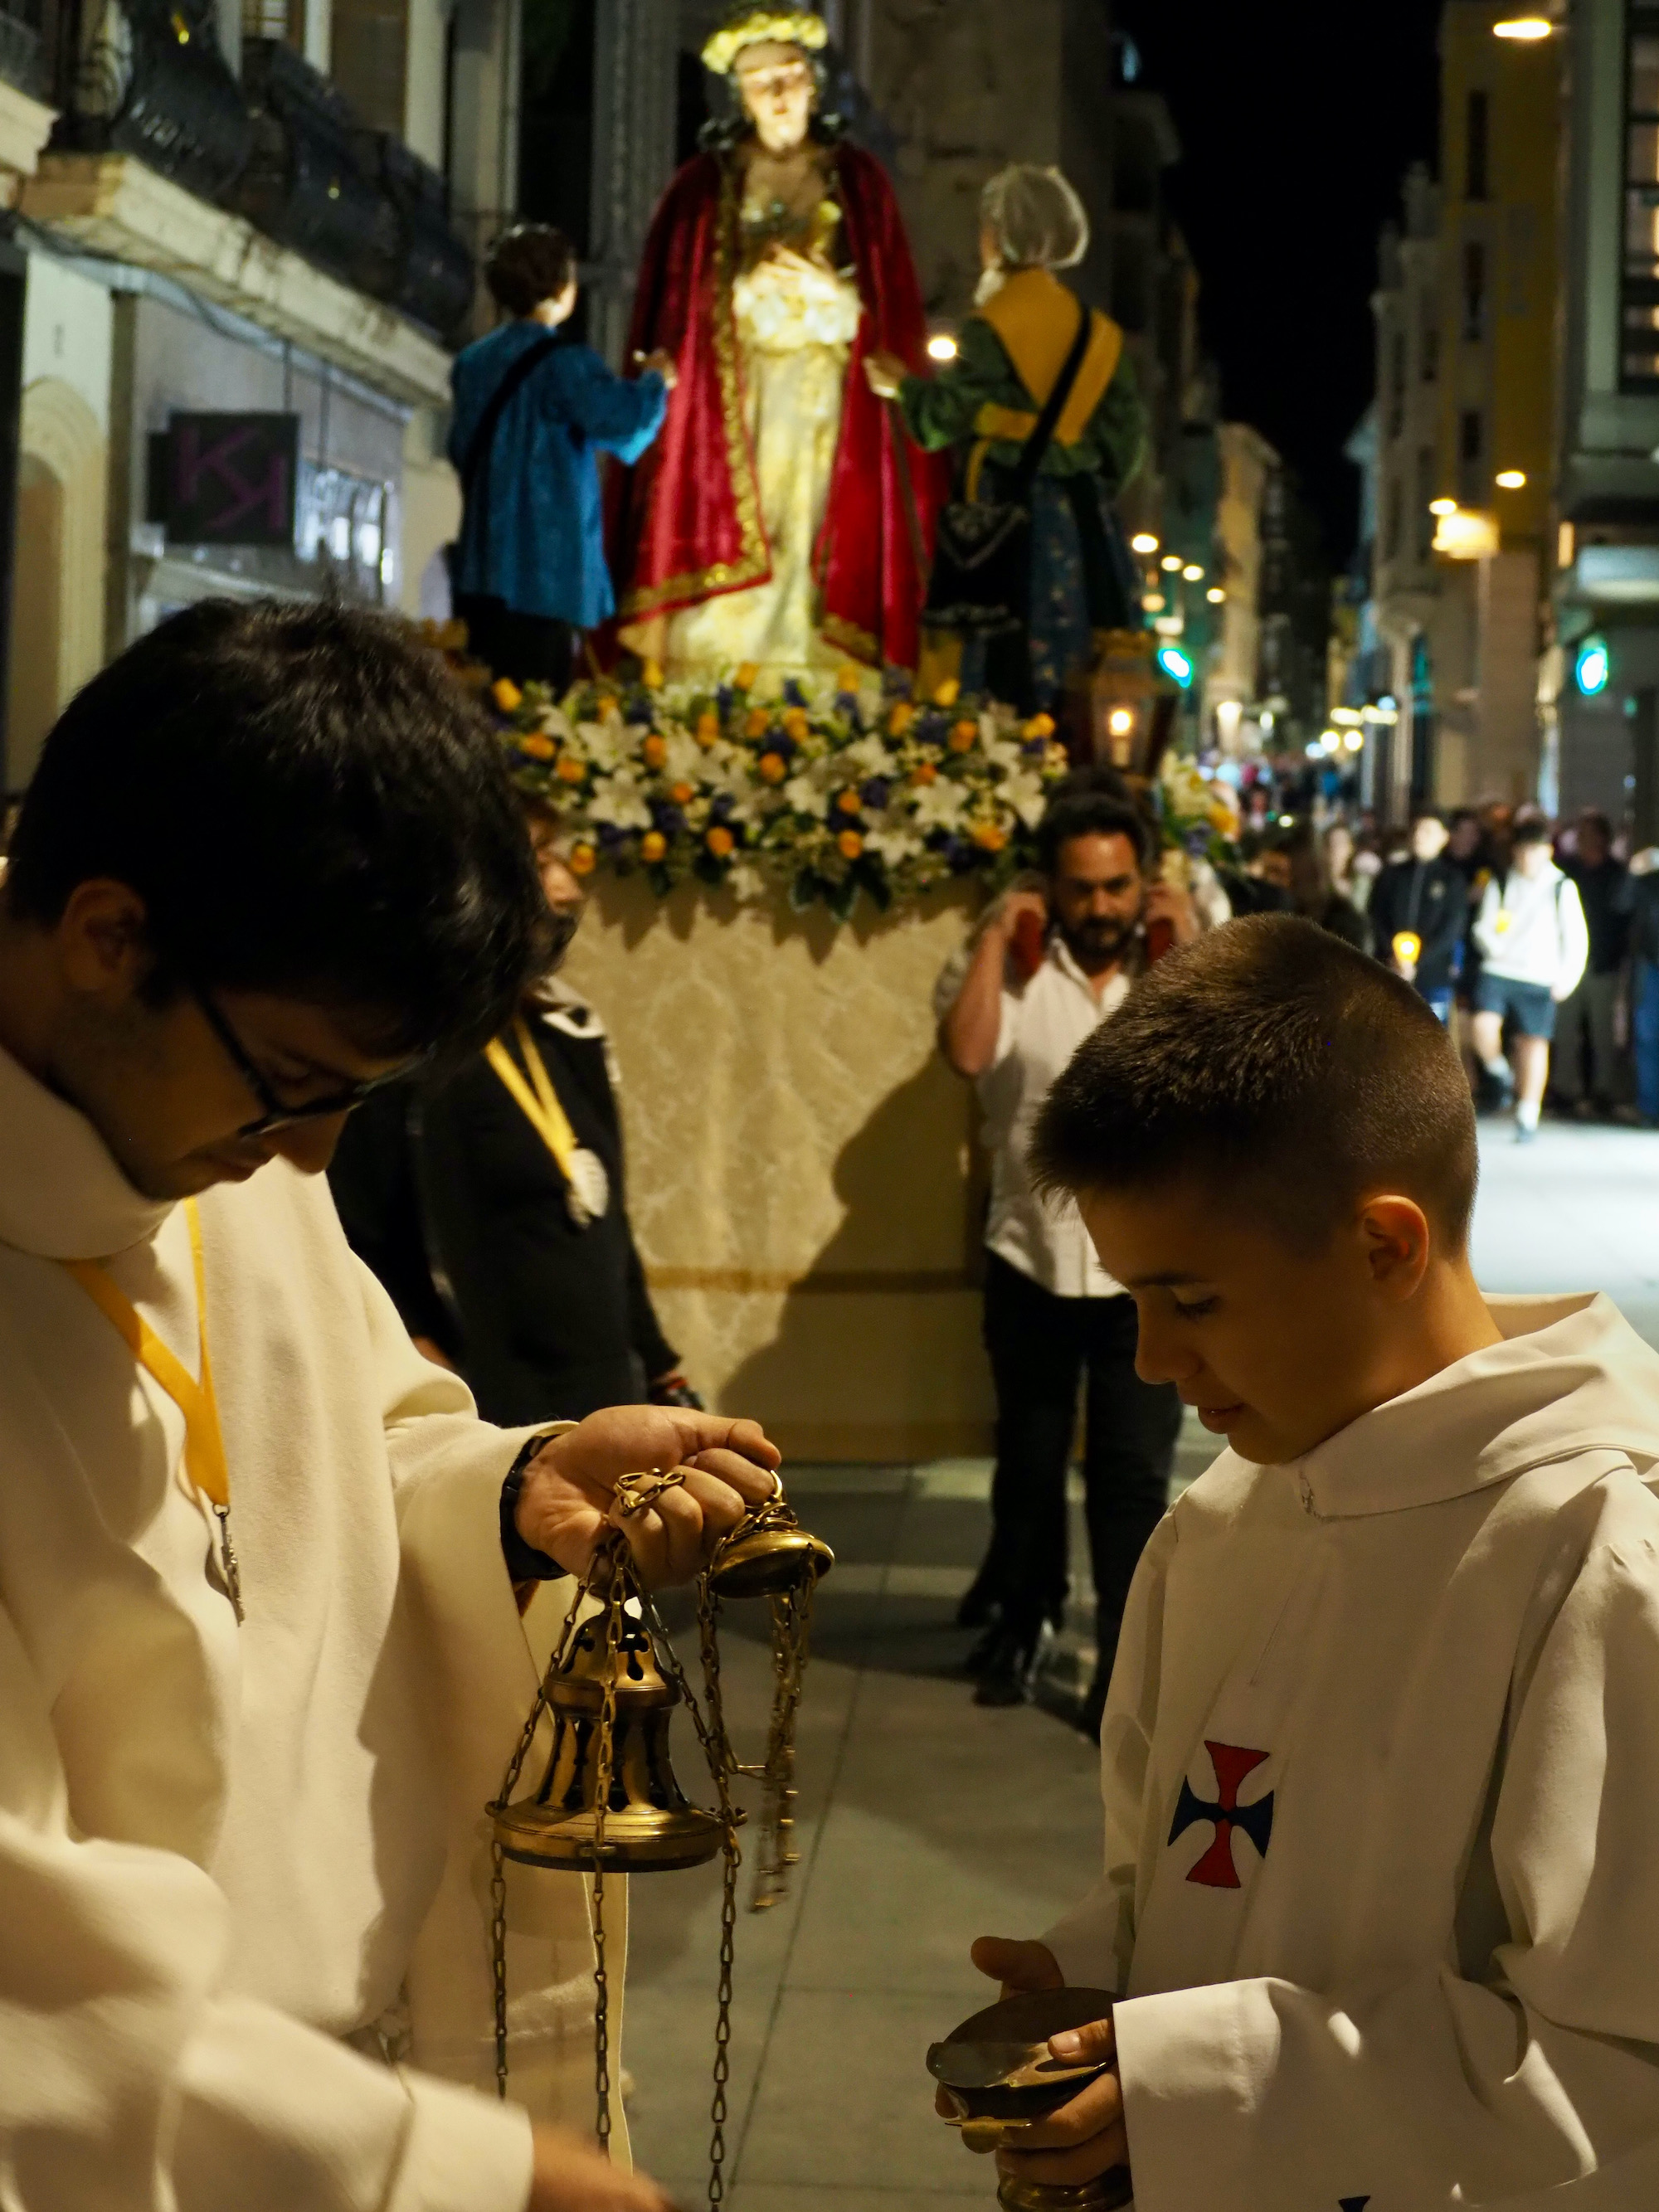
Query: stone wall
(802, 1181)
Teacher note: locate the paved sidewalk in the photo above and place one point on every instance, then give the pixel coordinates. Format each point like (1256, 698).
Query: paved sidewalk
(927, 1821)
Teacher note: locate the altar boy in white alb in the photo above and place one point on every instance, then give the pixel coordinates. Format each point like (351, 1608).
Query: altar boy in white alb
(1378, 1757)
(260, 1663)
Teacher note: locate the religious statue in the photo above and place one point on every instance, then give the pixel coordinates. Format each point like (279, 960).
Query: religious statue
(779, 520)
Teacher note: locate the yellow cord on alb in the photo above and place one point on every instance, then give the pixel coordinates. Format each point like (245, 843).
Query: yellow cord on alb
(204, 1442)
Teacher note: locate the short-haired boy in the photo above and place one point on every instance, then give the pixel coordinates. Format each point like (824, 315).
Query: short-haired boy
(534, 407)
(1381, 1754)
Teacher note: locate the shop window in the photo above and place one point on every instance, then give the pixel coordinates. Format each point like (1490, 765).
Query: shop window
(1477, 148)
(1639, 299)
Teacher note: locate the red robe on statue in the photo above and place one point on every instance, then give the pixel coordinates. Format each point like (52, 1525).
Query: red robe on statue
(685, 524)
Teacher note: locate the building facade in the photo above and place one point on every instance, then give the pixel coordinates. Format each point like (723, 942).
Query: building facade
(1606, 537)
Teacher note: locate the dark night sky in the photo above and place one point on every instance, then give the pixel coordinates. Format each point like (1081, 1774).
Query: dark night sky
(1297, 119)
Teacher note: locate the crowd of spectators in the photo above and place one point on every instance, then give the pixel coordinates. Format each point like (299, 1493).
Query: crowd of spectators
(1536, 941)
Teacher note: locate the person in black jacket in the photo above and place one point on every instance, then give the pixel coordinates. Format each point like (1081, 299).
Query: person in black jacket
(491, 1206)
(1586, 1025)
(1420, 914)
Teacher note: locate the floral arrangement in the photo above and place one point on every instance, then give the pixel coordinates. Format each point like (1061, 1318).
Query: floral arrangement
(851, 790)
(1199, 813)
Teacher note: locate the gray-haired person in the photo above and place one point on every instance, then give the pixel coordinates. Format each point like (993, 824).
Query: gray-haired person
(1011, 351)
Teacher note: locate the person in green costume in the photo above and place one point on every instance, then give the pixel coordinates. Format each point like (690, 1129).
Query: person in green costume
(985, 404)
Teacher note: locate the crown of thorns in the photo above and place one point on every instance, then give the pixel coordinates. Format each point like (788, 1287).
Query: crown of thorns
(788, 27)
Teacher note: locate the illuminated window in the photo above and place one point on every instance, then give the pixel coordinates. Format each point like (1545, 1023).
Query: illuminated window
(1639, 362)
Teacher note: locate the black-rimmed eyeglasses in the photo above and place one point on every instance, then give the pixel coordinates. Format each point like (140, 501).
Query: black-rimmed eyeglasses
(275, 1114)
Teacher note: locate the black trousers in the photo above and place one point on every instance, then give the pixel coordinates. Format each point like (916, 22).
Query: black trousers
(1041, 1347)
(530, 648)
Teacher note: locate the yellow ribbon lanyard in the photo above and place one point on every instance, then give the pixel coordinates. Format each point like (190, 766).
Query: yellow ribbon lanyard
(541, 1109)
(204, 1444)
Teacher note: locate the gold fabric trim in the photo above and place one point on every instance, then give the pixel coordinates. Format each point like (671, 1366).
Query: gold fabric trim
(847, 637)
(754, 564)
(1035, 318)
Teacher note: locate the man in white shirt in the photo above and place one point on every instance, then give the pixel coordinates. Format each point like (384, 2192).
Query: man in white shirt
(1047, 967)
(261, 1666)
(1534, 948)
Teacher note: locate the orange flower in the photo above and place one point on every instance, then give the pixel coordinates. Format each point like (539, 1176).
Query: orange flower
(583, 860)
(536, 746)
(653, 845)
(708, 728)
(989, 837)
(849, 844)
(746, 677)
(650, 676)
(963, 737)
(682, 793)
(570, 771)
(1039, 725)
(849, 802)
(774, 768)
(924, 772)
(796, 725)
(948, 693)
(506, 695)
(899, 721)
(759, 722)
(848, 676)
(719, 842)
(654, 751)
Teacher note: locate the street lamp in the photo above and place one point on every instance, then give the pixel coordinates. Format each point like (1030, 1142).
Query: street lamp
(1215, 595)
(1143, 542)
(1192, 573)
(1171, 562)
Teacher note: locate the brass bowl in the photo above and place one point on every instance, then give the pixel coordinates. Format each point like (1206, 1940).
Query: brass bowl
(997, 2066)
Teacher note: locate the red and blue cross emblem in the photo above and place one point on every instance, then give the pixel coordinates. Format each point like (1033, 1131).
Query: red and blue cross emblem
(1233, 1763)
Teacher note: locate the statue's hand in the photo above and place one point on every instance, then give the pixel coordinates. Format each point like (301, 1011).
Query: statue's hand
(884, 373)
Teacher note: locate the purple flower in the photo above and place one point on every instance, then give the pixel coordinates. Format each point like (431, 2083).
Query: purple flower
(667, 816)
(609, 836)
(792, 693)
(874, 793)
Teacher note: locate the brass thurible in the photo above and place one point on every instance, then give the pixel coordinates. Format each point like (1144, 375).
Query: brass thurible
(609, 1800)
(999, 2075)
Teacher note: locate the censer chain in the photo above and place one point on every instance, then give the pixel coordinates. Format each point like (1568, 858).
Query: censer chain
(717, 1751)
(510, 1782)
(616, 1548)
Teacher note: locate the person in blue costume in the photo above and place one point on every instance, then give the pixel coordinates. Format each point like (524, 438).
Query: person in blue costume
(534, 407)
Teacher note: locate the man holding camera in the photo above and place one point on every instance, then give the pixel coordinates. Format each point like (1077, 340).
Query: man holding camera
(1052, 960)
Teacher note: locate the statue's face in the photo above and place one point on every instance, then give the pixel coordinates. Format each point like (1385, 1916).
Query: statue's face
(777, 88)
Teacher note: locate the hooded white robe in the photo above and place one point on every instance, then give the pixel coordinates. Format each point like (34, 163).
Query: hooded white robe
(1420, 1968)
(223, 1849)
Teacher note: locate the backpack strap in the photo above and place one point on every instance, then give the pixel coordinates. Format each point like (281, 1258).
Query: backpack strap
(1049, 421)
(517, 375)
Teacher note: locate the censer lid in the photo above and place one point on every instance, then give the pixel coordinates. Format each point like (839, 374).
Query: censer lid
(1006, 2045)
